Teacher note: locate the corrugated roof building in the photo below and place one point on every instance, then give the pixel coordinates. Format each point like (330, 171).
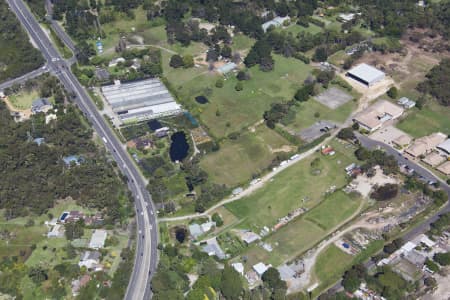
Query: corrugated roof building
(366, 74)
(140, 100)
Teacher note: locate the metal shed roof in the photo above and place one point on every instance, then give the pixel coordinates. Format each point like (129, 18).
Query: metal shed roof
(367, 73)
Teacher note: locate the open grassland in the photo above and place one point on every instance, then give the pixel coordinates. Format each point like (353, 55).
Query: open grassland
(237, 160)
(288, 189)
(304, 232)
(229, 110)
(432, 118)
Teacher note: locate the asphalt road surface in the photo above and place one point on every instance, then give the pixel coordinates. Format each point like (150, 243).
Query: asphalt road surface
(23, 78)
(146, 252)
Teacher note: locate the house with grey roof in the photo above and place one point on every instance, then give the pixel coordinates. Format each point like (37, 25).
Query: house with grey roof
(41, 105)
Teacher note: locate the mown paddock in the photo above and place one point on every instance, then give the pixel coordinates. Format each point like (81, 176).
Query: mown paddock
(305, 231)
(288, 189)
(238, 160)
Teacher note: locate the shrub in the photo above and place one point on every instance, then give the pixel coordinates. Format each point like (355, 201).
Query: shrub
(239, 86)
(385, 192)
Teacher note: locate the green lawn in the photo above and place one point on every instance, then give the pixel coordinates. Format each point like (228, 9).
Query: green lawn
(337, 207)
(237, 160)
(296, 29)
(432, 118)
(242, 42)
(288, 189)
(331, 264)
(23, 99)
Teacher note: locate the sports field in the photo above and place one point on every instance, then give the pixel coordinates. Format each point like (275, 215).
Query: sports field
(237, 160)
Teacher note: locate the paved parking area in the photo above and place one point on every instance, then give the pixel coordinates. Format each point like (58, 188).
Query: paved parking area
(316, 130)
(333, 97)
(387, 134)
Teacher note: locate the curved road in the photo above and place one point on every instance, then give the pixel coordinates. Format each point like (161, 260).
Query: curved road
(146, 249)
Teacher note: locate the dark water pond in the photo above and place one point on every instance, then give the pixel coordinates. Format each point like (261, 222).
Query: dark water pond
(154, 124)
(179, 146)
(201, 99)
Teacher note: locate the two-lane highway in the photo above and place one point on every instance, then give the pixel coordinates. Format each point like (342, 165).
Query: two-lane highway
(147, 237)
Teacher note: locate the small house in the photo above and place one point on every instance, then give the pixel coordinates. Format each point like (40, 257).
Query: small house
(41, 105)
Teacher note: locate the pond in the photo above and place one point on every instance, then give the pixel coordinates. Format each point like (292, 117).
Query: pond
(179, 146)
(201, 99)
(154, 124)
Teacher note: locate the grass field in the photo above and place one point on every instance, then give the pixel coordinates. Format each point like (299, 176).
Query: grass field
(306, 113)
(241, 109)
(333, 262)
(285, 193)
(304, 232)
(432, 118)
(296, 29)
(237, 160)
(23, 99)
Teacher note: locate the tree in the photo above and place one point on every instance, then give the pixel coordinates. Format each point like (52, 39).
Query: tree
(442, 258)
(216, 218)
(176, 61)
(74, 230)
(231, 284)
(242, 75)
(212, 54)
(385, 192)
(226, 51)
(392, 92)
(321, 54)
(188, 61)
(219, 83)
(346, 134)
(273, 280)
(38, 275)
(304, 92)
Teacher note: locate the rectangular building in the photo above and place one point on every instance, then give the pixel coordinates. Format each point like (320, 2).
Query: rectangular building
(140, 100)
(366, 74)
(374, 116)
